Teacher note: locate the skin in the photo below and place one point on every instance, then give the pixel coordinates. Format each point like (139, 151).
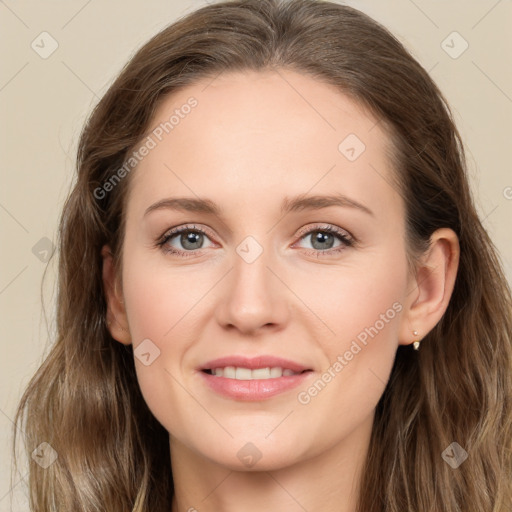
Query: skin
(251, 141)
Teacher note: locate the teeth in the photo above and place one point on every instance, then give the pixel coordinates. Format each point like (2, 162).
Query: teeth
(229, 372)
(258, 373)
(243, 374)
(239, 373)
(276, 372)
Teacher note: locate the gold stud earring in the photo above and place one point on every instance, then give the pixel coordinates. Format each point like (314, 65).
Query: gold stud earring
(416, 344)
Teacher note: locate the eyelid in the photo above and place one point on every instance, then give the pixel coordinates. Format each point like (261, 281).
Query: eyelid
(345, 237)
(324, 226)
(176, 230)
(301, 232)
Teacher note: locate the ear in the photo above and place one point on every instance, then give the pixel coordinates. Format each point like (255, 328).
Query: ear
(429, 291)
(116, 314)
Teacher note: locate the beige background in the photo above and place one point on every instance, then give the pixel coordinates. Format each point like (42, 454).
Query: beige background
(44, 102)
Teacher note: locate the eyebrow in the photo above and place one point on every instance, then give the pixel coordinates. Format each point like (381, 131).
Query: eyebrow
(289, 204)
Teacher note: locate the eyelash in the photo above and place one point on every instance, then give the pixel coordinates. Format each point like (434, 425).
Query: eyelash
(347, 240)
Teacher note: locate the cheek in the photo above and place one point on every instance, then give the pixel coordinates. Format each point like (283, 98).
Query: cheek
(349, 300)
(164, 306)
(364, 309)
(372, 301)
(159, 300)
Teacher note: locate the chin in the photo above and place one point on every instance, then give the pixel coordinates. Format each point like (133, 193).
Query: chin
(255, 454)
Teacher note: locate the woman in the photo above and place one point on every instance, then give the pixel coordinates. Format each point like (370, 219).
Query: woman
(206, 358)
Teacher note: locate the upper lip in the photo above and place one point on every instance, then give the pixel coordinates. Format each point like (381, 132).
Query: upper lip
(253, 363)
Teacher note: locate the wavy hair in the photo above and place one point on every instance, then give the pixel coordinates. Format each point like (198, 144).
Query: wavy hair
(84, 399)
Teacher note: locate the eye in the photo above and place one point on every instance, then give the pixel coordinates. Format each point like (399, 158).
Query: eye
(190, 238)
(323, 238)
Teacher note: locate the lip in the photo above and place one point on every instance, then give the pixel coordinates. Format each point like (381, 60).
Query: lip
(257, 389)
(263, 361)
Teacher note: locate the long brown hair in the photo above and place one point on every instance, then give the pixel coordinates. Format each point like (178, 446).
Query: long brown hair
(84, 399)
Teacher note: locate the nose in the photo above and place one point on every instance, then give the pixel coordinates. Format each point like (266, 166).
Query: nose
(254, 297)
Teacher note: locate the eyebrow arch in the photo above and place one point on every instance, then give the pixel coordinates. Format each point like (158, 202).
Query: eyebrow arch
(305, 202)
(290, 204)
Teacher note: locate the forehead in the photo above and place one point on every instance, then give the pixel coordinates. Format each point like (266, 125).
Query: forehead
(250, 136)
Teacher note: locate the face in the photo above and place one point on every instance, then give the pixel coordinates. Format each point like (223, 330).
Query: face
(291, 258)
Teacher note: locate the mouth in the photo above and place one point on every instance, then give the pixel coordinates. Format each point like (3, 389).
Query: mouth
(241, 373)
(253, 379)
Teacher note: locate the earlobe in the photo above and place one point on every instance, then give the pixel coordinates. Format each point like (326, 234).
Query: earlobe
(432, 286)
(116, 319)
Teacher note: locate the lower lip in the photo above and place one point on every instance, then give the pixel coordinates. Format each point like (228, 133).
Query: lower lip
(253, 390)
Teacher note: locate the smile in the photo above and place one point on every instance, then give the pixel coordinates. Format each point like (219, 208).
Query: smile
(241, 373)
(253, 379)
